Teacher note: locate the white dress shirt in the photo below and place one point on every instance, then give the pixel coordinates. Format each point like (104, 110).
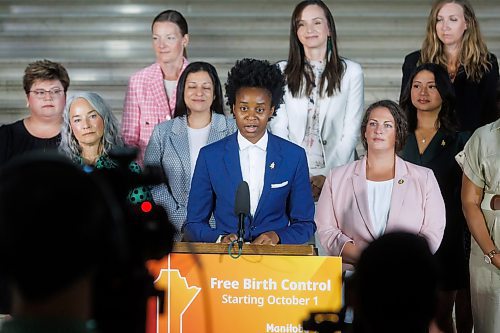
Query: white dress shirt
(253, 165)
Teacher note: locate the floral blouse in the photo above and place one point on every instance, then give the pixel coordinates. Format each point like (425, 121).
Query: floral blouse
(312, 138)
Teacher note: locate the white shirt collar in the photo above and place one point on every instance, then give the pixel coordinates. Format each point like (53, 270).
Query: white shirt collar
(243, 143)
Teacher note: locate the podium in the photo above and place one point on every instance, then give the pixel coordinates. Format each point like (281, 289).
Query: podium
(267, 289)
(248, 249)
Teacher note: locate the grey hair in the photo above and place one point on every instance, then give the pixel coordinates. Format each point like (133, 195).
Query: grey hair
(111, 138)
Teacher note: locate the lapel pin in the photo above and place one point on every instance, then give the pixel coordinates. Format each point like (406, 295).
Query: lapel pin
(443, 143)
(272, 165)
(401, 181)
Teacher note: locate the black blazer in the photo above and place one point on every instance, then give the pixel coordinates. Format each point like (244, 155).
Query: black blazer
(476, 102)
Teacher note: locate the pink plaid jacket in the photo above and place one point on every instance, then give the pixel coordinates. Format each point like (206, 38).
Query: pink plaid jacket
(146, 105)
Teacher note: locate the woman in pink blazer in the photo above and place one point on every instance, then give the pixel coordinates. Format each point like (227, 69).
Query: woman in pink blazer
(380, 193)
(151, 92)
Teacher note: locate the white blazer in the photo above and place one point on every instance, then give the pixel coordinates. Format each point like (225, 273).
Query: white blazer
(340, 118)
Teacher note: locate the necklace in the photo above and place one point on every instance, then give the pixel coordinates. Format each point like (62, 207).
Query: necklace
(452, 75)
(425, 136)
(452, 71)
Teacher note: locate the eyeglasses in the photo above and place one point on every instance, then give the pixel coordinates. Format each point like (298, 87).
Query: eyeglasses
(41, 93)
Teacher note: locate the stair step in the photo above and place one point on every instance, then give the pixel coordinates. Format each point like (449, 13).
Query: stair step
(103, 43)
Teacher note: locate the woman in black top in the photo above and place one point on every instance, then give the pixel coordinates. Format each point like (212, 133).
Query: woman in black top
(45, 84)
(433, 142)
(454, 41)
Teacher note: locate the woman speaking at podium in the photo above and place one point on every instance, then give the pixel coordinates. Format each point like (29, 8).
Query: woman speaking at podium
(281, 202)
(379, 193)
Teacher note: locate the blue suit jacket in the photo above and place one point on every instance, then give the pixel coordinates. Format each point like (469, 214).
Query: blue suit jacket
(286, 205)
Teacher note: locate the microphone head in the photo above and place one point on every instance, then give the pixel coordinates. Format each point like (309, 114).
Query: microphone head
(242, 200)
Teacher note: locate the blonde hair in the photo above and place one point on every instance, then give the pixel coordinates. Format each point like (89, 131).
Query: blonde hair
(473, 54)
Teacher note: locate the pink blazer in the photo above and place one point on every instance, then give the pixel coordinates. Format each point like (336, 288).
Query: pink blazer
(343, 215)
(146, 105)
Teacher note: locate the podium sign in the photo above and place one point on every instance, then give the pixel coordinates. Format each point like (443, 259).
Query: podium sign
(254, 293)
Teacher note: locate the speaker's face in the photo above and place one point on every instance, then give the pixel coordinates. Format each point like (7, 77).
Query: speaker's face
(252, 110)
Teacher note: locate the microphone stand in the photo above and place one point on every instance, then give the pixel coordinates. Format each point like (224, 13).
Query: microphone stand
(241, 231)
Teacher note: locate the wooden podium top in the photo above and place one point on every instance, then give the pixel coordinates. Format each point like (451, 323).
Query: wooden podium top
(248, 249)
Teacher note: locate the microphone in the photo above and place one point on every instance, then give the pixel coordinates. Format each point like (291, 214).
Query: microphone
(242, 209)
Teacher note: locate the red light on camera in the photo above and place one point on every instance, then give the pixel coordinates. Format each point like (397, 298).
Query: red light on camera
(146, 206)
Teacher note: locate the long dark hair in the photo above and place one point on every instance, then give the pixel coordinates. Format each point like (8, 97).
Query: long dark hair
(195, 67)
(297, 74)
(448, 121)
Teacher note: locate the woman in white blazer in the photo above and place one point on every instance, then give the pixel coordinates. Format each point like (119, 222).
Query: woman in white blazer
(174, 145)
(323, 102)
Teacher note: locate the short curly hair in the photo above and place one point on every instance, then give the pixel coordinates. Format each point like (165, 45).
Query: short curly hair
(252, 73)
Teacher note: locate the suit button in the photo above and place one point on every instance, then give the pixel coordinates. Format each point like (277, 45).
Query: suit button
(324, 142)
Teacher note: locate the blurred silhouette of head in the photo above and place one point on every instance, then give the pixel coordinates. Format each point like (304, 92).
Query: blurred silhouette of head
(54, 224)
(395, 285)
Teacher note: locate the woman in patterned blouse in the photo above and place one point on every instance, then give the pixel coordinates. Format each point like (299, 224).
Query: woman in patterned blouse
(90, 132)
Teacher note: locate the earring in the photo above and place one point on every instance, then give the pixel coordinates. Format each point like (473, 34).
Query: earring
(329, 45)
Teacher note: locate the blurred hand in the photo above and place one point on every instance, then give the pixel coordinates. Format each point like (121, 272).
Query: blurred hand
(317, 183)
(229, 238)
(267, 238)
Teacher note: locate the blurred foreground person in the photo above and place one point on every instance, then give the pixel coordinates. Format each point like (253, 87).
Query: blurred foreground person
(50, 244)
(395, 291)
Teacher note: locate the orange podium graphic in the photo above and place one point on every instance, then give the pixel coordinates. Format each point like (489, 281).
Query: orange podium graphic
(254, 293)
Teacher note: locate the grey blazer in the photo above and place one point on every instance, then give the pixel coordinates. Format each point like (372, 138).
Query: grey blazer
(168, 148)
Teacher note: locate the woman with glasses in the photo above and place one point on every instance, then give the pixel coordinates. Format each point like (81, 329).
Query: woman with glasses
(45, 84)
(151, 94)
